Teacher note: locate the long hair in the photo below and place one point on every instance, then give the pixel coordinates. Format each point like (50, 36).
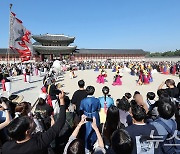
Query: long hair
(112, 121)
(105, 91)
(23, 108)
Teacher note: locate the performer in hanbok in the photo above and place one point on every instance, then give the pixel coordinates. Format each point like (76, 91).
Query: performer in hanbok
(133, 71)
(165, 69)
(36, 70)
(28, 74)
(145, 77)
(173, 69)
(101, 77)
(104, 73)
(140, 80)
(114, 69)
(24, 73)
(90, 107)
(3, 84)
(7, 83)
(150, 76)
(96, 68)
(117, 79)
(105, 101)
(72, 74)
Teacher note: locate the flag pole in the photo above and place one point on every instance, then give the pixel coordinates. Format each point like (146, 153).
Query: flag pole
(10, 25)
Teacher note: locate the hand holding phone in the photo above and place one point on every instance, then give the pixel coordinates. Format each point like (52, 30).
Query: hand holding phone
(89, 119)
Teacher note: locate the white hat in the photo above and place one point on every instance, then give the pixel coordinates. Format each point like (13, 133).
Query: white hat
(43, 95)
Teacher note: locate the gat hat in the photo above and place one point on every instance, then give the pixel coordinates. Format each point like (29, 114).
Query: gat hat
(16, 99)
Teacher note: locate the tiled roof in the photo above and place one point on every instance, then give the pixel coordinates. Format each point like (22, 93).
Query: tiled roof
(110, 51)
(5, 51)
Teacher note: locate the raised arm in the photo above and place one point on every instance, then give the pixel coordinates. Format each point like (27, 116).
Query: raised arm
(100, 140)
(47, 137)
(161, 85)
(8, 117)
(76, 131)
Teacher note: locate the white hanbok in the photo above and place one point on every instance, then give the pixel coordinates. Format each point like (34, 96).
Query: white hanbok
(8, 86)
(28, 78)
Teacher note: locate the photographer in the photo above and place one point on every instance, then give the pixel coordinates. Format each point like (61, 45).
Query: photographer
(3, 107)
(76, 146)
(171, 89)
(43, 112)
(21, 128)
(6, 120)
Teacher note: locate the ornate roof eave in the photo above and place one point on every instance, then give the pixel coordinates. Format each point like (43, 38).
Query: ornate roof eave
(53, 38)
(54, 49)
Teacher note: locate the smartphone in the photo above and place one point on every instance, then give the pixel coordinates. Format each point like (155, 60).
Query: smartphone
(89, 119)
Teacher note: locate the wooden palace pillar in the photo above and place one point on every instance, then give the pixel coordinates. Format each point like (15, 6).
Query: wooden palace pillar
(41, 57)
(51, 57)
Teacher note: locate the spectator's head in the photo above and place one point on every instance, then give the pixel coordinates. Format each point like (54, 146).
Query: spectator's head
(170, 83)
(67, 102)
(135, 93)
(105, 90)
(138, 112)
(41, 101)
(76, 147)
(162, 93)
(139, 99)
(123, 104)
(23, 108)
(128, 95)
(81, 83)
(121, 142)
(90, 90)
(20, 128)
(150, 95)
(166, 108)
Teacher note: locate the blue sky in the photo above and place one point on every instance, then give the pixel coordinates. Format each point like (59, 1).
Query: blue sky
(151, 25)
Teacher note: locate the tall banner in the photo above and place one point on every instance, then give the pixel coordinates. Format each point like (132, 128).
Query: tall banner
(20, 38)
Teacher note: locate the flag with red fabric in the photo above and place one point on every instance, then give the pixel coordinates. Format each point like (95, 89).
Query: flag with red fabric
(20, 38)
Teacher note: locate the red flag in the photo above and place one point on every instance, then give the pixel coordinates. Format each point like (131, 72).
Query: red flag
(20, 38)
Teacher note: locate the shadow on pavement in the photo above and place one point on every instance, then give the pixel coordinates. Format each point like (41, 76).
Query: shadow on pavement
(26, 89)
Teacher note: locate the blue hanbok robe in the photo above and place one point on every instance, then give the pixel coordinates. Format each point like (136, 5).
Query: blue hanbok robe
(103, 111)
(96, 69)
(90, 107)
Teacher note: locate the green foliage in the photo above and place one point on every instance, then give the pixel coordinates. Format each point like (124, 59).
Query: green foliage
(164, 54)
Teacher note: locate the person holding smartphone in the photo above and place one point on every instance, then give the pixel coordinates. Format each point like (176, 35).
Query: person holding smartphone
(24, 141)
(75, 143)
(90, 106)
(3, 107)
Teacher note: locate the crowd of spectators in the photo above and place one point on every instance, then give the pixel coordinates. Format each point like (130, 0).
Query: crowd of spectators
(82, 124)
(86, 124)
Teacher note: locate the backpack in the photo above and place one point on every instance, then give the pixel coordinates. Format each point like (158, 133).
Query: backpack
(171, 139)
(144, 145)
(152, 114)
